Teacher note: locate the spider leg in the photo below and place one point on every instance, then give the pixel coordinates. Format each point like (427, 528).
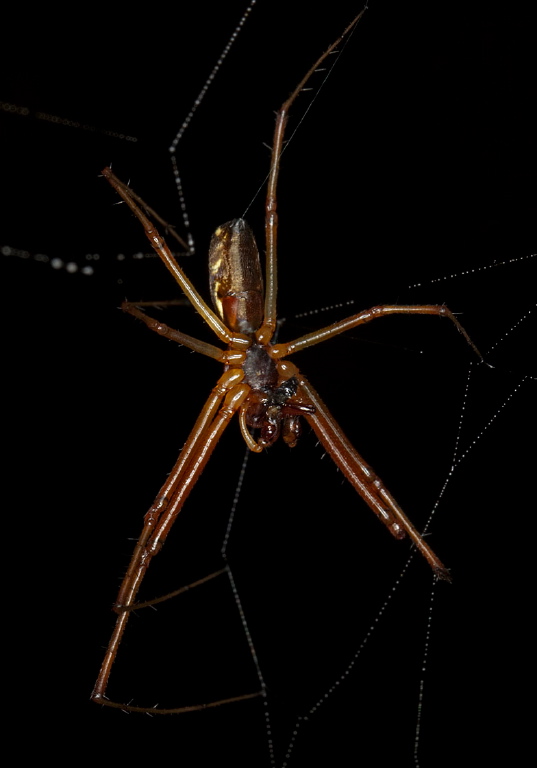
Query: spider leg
(158, 521)
(180, 591)
(266, 332)
(168, 228)
(209, 350)
(362, 478)
(284, 350)
(162, 250)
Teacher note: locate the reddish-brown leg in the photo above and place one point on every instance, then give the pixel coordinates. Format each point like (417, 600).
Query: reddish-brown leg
(158, 521)
(266, 332)
(362, 478)
(209, 350)
(323, 334)
(159, 245)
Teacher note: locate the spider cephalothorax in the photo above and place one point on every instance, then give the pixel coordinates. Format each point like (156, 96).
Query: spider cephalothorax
(274, 411)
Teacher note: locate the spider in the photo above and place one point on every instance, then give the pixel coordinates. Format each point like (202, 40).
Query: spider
(269, 394)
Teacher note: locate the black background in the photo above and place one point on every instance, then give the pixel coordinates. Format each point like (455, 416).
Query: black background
(414, 164)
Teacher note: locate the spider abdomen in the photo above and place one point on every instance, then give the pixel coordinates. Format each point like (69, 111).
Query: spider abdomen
(235, 278)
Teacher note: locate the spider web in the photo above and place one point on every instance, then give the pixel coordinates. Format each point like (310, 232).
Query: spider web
(409, 182)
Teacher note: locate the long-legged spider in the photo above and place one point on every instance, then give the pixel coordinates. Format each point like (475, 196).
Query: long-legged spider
(269, 394)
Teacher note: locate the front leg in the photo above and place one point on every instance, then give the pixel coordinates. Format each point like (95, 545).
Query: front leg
(210, 425)
(369, 486)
